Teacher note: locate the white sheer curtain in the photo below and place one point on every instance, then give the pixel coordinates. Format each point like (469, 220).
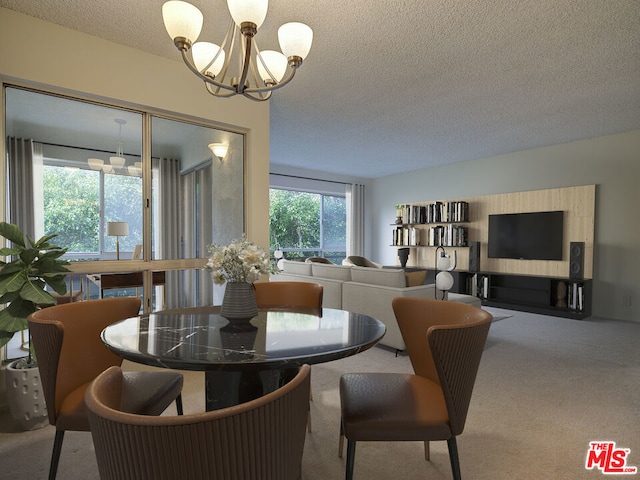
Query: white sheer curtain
(166, 222)
(355, 219)
(22, 155)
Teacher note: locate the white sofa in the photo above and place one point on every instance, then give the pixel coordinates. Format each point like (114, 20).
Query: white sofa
(364, 290)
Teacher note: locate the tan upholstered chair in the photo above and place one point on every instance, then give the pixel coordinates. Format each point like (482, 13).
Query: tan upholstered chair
(290, 296)
(445, 341)
(360, 262)
(260, 439)
(71, 354)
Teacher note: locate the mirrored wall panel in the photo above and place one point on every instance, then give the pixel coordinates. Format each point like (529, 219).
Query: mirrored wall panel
(197, 186)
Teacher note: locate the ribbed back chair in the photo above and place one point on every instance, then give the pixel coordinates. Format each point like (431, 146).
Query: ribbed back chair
(71, 354)
(260, 439)
(445, 341)
(290, 296)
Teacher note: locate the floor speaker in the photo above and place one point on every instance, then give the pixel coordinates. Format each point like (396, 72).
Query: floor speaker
(474, 256)
(576, 260)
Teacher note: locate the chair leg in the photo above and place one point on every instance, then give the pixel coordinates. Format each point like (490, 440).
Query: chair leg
(351, 454)
(179, 404)
(55, 454)
(453, 457)
(341, 442)
(427, 451)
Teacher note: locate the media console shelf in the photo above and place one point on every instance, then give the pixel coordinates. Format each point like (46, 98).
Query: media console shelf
(561, 297)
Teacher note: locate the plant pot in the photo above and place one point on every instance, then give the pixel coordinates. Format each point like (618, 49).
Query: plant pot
(25, 397)
(239, 302)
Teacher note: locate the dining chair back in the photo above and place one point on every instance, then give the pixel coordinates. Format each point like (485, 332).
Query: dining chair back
(70, 355)
(260, 439)
(445, 341)
(288, 295)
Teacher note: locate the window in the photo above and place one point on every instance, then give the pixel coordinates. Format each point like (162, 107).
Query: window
(74, 165)
(306, 224)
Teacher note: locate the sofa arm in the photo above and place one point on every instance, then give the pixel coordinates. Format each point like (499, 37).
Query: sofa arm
(375, 300)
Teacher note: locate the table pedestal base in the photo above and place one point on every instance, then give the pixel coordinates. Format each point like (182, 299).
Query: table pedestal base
(225, 389)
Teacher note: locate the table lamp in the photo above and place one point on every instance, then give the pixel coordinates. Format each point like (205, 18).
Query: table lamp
(117, 229)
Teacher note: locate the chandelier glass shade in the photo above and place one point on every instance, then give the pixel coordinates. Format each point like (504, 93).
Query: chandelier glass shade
(237, 66)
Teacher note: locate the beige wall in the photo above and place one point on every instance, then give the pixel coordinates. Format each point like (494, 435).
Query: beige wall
(41, 53)
(612, 163)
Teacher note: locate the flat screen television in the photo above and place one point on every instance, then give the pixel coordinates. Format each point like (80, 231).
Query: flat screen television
(526, 236)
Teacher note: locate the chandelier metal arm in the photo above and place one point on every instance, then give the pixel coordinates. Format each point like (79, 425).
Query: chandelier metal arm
(203, 77)
(241, 87)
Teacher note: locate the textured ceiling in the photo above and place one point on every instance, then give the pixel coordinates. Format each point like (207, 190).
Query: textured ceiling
(395, 86)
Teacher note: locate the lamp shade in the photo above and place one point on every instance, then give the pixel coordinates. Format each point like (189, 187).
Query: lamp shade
(271, 63)
(181, 19)
(295, 39)
(219, 149)
(444, 281)
(253, 11)
(95, 163)
(117, 229)
(444, 263)
(203, 53)
(117, 161)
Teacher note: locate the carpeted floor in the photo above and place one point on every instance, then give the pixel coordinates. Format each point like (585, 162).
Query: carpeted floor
(546, 387)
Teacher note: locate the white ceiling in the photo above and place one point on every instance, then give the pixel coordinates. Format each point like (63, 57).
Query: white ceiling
(393, 86)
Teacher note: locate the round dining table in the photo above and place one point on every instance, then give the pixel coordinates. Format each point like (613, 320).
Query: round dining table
(245, 360)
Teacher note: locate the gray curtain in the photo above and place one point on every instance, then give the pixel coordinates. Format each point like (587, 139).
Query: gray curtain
(166, 222)
(355, 219)
(21, 156)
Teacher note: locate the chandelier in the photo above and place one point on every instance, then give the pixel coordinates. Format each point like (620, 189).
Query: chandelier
(253, 73)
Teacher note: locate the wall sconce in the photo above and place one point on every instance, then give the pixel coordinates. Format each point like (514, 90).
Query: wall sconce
(444, 264)
(117, 229)
(219, 150)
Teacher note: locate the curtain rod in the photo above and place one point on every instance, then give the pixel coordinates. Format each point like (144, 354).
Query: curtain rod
(86, 148)
(309, 178)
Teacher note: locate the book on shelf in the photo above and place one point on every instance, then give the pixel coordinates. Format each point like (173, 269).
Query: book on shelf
(436, 212)
(406, 236)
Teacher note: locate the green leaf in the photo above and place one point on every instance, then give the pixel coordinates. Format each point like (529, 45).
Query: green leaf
(11, 323)
(42, 242)
(13, 282)
(5, 337)
(21, 308)
(28, 256)
(12, 233)
(6, 251)
(30, 291)
(57, 283)
(9, 297)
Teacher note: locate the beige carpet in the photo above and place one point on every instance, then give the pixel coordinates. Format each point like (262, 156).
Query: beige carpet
(547, 387)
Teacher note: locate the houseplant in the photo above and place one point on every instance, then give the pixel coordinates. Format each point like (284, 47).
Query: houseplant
(23, 282)
(239, 264)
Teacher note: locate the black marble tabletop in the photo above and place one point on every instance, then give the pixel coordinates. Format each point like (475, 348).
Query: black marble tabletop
(200, 339)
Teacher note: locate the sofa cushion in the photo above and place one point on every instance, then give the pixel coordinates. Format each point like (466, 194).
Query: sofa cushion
(297, 268)
(386, 277)
(414, 279)
(335, 272)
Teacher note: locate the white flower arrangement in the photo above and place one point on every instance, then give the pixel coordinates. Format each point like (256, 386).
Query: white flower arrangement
(240, 261)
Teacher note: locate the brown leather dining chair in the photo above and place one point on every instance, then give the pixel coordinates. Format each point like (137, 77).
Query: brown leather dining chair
(445, 341)
(290, 296)
(71, 354)
(262, 439)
